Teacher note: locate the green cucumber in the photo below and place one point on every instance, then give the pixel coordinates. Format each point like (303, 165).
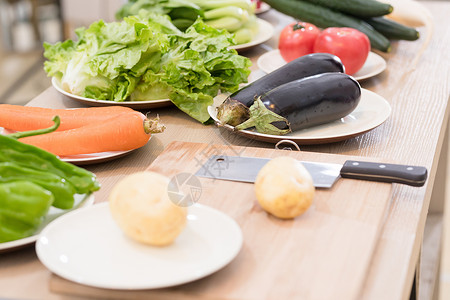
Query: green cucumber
(357, 8)
(393, 30)
(324, 17)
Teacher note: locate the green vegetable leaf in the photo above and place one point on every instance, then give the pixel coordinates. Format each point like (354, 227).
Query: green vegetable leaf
(145, 57)
(261, 118)
(59, 55)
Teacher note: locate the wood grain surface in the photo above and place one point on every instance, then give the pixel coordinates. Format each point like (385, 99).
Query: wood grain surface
(323, 254)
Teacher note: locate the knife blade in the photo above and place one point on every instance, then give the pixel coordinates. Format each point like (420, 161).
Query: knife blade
(245, 169)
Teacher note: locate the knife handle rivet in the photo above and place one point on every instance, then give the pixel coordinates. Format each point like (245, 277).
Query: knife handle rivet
(355, 164)
(382, 166)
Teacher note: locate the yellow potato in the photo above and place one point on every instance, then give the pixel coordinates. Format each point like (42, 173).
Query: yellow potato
(284, 188)
(140, 205)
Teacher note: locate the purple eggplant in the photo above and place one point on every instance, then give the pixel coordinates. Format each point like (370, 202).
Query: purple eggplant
(301, 67)
(296, 105)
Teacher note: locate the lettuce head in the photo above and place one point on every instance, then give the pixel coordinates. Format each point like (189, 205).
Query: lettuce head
(145, 57)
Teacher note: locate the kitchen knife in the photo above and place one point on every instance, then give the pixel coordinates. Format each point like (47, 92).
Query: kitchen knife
(245, 169)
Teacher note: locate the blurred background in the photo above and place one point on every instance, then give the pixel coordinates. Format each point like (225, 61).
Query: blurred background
(25, 25)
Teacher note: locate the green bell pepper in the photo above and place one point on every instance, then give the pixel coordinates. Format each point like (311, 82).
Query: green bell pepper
(61, 189)
(23, 206)
(33, 157)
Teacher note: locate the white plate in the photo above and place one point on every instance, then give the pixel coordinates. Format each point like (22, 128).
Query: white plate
(374, 64)
(53, 213)
(93, 158)
(85, 159)
(265, 32)
(92, 102)
(87, 247)
(371, 112)
(263, 8)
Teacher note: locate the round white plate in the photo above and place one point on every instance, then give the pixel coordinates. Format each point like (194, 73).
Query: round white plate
(371, 112)
(263, 8)
(92, 102)
(265, 32)
(53, 213)
(374, 64)
(86, 246)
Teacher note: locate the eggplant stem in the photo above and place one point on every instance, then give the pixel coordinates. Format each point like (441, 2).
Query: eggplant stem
(153, 125)
(232, 112)
(18, 135)
(262, 118)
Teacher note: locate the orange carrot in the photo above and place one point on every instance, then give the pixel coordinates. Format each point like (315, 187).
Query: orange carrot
(126, 131)
(23, 118)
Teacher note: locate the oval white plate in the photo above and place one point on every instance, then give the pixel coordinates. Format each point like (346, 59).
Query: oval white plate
(265, 32)
(85, 159)
(92, 102)
(53, 213)
(374, 64)
(87, 247)
(371, 112)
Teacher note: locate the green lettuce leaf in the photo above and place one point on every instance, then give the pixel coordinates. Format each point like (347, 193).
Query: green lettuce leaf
(145, 57)
(58, 56)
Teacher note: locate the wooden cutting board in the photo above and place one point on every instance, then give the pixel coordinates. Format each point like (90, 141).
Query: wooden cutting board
(323, 254)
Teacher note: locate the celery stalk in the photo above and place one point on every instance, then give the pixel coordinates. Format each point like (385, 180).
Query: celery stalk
(211, 4)
(229, 23)
(243, 35)
(252, 24)
(230, 11)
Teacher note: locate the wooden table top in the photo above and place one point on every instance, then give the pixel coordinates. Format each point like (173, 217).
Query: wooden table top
(416, 84)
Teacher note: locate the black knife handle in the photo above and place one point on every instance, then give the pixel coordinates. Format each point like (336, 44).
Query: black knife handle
(410, 175)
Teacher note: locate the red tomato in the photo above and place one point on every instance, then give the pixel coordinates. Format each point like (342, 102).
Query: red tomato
(297, 39)
(350, 45)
